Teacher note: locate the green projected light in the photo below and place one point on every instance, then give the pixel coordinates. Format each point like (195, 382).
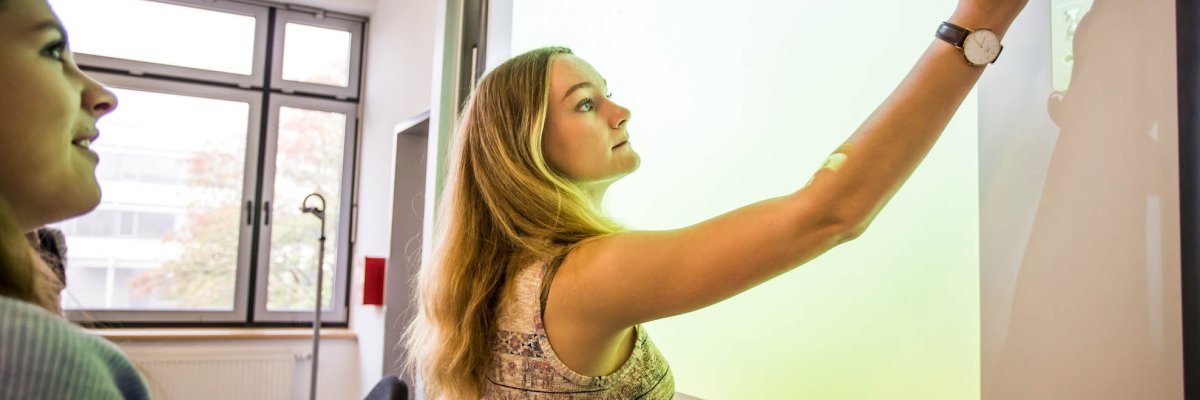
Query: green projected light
(735, 102)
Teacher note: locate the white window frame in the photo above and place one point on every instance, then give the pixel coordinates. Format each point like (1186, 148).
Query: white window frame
(341, 274)
(254, 80)
(282, 18)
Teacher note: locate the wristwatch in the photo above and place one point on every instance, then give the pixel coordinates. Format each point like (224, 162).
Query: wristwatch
(980, 47)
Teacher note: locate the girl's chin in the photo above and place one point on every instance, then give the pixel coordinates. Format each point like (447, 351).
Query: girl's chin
(82, 201)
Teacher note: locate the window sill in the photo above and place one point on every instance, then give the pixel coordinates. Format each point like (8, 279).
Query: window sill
(159, 334)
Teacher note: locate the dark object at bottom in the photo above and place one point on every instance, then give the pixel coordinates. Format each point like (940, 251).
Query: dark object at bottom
(389, 388)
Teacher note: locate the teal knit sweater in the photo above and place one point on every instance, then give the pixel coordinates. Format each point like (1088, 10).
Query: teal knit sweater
(42, 356)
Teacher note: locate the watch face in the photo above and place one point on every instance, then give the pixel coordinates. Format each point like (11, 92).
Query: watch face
(981, 47)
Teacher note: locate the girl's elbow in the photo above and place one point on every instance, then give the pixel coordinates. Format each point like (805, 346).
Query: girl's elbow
(851, 232)
(850, 226)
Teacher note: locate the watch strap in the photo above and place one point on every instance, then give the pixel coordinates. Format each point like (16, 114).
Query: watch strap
(952, 33)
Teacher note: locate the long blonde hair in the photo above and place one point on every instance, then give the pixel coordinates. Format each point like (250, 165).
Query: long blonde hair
(503, 205)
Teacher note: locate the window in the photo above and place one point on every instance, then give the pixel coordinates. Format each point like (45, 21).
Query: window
(183, 44)
(319, 55)
(218, 138)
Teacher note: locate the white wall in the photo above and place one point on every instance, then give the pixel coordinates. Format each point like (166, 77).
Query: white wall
(398, 81)
(1080, 210)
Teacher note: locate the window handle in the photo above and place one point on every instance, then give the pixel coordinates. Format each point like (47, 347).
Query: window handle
(249, 212)
(267, 212)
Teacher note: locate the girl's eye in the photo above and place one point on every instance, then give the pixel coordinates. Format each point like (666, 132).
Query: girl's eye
(586, 105)
(55, 50)
(608, 95)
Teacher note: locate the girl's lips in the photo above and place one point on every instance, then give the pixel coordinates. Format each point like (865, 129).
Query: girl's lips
(88, 152)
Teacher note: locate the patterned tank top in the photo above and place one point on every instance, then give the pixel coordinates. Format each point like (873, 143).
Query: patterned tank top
(524, 366)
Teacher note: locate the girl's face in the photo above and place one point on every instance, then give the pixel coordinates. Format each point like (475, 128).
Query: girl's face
(48, 113)
(585, 137)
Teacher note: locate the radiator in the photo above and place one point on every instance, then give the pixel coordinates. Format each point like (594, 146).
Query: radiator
(226, 374)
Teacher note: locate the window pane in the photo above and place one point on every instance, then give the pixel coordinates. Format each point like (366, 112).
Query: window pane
(126, 223)
(161, 33)
(165, 235)
(92, 293)
(316, 55)
(155, 224)
(308, 160)
(97, 223)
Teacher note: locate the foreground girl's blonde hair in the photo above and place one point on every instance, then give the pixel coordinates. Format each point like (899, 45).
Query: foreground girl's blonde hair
(502, 207)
